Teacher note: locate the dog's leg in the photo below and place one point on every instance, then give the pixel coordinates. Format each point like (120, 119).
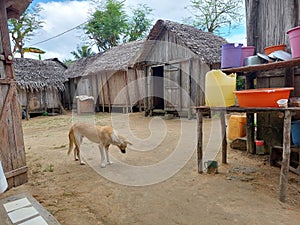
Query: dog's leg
(107, 155)
(102, 149)
(77, 154)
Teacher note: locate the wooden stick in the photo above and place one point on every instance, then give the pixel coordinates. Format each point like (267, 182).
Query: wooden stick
(224, 140)
(285, 156)
(250, 133)
(199, 141)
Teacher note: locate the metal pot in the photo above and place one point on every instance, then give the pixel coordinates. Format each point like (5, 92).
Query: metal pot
(253, 60)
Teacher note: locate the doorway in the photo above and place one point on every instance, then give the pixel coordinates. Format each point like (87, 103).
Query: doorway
(158, 87)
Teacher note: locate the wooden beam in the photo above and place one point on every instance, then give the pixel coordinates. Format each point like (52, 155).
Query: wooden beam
(16, 172)
(4, 35)
(264, 67)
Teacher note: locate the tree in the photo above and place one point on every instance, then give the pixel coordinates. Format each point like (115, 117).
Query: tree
(138, 25)
(83, 51)
(106, 26)
(24, 28)
(109, 25)
(212, 15)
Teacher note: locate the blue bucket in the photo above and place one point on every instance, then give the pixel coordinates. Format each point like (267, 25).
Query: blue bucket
(231, 55)
(295, 128)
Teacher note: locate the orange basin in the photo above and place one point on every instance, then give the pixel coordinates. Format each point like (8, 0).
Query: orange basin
(262, 97)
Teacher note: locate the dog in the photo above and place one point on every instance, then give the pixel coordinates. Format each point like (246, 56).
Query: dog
(102, 135)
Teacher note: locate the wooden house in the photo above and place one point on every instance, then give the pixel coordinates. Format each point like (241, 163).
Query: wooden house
(267, 24)
(176, 58)
(110, 77)
(12, 150)
(40, 84)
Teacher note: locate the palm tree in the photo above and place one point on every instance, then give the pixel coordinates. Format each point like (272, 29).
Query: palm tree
(83, 51)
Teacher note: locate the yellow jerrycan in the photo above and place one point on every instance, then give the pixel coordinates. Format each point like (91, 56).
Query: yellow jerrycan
(219, 89)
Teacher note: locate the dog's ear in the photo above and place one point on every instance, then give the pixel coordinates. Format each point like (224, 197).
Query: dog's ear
(128, 142)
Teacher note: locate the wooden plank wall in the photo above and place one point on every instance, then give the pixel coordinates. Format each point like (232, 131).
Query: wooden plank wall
(269, 20)
(39, 100)
(111, 88)
(12, 149)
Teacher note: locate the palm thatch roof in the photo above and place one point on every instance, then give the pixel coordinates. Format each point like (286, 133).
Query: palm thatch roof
(205, 45)
(78, 67)
(32, 74)
(117, 58)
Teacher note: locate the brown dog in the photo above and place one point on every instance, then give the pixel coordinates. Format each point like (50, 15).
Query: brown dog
(102, 135)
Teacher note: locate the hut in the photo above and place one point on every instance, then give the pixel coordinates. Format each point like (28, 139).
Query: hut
(176, 58)
(40, 84)
(12, 150)
(110, 77)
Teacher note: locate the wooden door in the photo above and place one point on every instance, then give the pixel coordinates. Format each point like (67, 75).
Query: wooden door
(12, 150)
(172, 90)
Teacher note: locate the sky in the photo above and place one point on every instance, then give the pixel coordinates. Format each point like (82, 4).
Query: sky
(60, 16)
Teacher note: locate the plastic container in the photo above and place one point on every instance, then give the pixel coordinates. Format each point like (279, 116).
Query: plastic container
(262, 97)
(260, 147)
(236, 127)
(246, 52)
(231, 55)
(219, 89)
(294, 36)
(268, 50)
(282, 103)
(295, 130)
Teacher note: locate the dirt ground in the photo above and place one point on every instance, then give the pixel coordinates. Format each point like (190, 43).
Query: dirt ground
(245, 191)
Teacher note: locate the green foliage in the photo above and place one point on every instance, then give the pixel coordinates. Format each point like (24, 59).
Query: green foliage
(83, 51)
(67, 62)
(211, 15)
(138, 25)
(24, 28)
(240, 83)
(106, 25)
(109, 25)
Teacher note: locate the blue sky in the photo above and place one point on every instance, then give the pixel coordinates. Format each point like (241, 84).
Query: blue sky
(62, 15)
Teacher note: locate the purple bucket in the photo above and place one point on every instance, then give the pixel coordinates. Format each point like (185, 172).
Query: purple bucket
(246, 52)
(231, 55)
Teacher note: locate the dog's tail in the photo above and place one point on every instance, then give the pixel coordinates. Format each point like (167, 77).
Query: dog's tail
(71, 140)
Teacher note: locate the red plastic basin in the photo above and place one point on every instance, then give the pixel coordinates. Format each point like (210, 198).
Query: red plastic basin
(262, 97)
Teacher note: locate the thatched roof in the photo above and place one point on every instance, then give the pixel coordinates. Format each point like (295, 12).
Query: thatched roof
(78, 67)
(15, 8)
(32, 74)
(117, 58)
(205, 45)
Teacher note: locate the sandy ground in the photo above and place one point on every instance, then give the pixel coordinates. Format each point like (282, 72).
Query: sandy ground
(151, 183)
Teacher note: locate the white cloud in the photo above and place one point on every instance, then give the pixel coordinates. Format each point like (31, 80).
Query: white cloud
(69, 15)
(73, 13)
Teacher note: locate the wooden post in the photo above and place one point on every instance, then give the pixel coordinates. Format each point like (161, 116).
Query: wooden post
(250, 133)
(199, 141)
(137, 86)
(128, 103)
(189, 89)
(12, 149)
(146, 97)
(224, 140)
(108, 93)
(285, 156)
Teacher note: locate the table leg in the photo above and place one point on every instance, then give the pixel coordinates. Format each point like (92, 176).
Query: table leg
(224, 140)
(250, 133)
(285, 156)
(200, 141)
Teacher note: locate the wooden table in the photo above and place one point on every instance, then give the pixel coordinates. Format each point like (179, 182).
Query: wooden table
(250, 137)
